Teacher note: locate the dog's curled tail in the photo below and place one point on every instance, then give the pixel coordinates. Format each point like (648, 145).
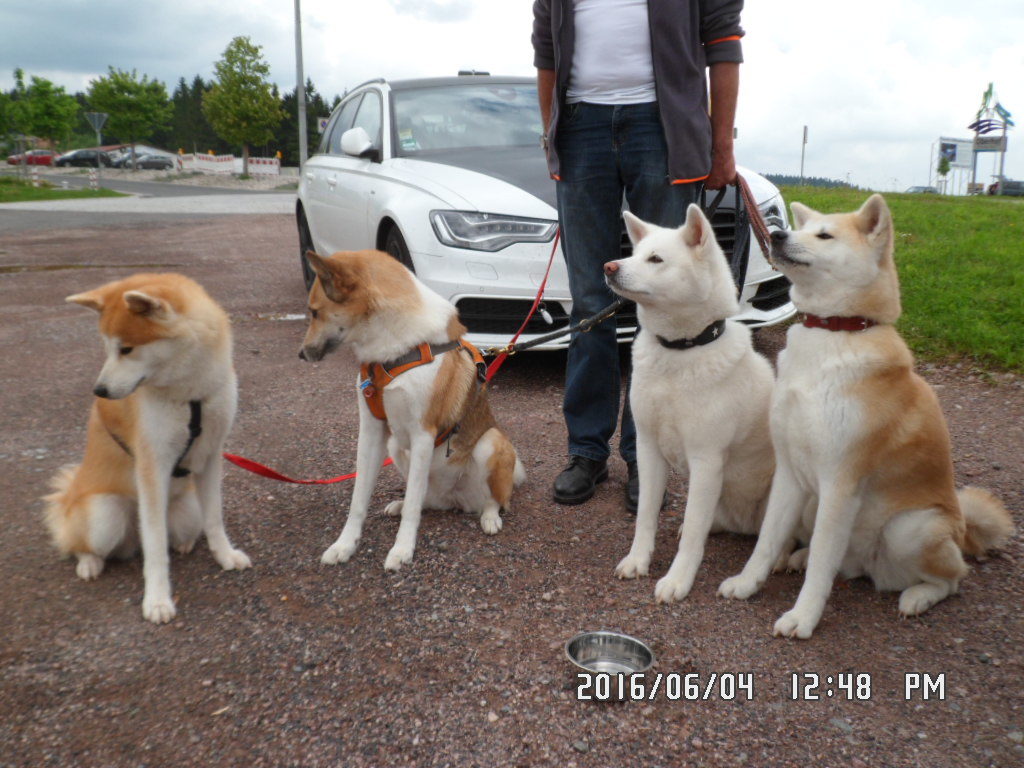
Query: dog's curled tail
(56, 510)
(519, 475)
(989, 525)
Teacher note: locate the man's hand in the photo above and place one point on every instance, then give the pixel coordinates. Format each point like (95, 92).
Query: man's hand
(723, 169)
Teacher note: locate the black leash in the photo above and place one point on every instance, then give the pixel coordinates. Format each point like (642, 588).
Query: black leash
(581, 327)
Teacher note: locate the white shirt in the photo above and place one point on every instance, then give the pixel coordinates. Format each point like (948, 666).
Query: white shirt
(611, 62)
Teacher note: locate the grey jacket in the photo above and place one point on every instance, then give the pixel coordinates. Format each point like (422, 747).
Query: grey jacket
(686, 37)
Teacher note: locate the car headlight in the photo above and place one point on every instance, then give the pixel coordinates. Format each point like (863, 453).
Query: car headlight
(773, 211)
(489, 231)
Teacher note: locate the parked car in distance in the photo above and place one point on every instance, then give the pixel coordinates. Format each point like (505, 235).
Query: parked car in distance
(32, 157)
(448, 176)
(1010, 188)
(158, 162)
(922, 191)
(86, 158)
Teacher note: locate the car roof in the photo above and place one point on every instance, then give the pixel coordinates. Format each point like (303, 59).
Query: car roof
(438, 82)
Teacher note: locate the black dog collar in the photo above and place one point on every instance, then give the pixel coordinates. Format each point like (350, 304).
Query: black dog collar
(709, 334)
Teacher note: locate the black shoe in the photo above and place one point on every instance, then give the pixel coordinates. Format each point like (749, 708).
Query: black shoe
(578, 481)
(632, 487)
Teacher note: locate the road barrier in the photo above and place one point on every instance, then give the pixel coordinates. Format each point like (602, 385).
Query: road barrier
(34, 174)
(226, 164)
(94, 179)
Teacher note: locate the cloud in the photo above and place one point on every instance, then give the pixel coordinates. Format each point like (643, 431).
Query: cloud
(434, 10)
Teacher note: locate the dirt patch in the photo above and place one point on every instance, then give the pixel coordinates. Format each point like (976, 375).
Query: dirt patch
(457, 659)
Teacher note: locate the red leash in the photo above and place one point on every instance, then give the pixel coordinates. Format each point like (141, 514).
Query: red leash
(264, 471)
(499, 361)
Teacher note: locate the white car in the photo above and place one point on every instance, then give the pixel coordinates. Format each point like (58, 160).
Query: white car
(447, 176)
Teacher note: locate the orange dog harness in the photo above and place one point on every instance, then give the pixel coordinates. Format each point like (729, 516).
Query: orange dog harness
(375, 376)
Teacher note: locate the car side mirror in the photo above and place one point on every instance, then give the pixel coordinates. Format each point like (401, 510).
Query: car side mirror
(356, 142)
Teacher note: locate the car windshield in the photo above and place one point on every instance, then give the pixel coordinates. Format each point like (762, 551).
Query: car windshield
(465, 116)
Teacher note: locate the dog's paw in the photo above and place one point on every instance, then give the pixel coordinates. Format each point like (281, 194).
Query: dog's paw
(184, 547)
(89, 567)
(919, 598)
(794, 624)
(669, 589)
(159, 610)
(338, 552)
(798, 560)
(490, 522)
(632, 566)
(738, 587)
(394, 508)
(397, 557)
(232, 560)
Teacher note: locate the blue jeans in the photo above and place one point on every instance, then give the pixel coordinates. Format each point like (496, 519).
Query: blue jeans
(606, 152)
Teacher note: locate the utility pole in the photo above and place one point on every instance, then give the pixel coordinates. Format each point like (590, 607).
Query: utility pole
(300, 89)
(803, 148)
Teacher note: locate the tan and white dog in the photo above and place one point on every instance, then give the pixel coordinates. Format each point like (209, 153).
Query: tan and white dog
(863, 463)
(425, 385)
(699, 394)
(152, 464)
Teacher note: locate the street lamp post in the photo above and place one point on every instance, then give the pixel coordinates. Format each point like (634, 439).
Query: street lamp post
(300, 87)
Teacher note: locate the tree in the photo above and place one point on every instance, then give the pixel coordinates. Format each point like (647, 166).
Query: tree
(288, 131)
(136, 108)
(943, 169)
(241, 106)
(51, 111)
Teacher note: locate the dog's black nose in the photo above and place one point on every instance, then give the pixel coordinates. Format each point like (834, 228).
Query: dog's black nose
(779, 235)
(302, 354)
(100, 391)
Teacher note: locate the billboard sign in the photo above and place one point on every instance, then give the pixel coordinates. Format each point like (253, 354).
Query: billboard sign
(957, 151)
(990, 144)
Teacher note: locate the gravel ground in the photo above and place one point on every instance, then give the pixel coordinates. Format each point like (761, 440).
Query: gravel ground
(456, 660)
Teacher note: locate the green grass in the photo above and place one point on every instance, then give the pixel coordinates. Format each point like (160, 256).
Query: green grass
(14, 190)
(961, 266)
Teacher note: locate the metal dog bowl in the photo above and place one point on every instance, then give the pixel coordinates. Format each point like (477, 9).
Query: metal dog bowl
(608, 654)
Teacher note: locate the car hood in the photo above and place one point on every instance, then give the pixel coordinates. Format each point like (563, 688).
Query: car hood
(522, 167)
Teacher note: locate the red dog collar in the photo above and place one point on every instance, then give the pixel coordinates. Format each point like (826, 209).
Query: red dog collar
(836, 323)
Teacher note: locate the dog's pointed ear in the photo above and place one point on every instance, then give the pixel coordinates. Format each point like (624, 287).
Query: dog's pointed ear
(636, 228)
(801, 213)
(141, 303)
(875, 220)
(697, 228)
(328, 272)
(90, 299)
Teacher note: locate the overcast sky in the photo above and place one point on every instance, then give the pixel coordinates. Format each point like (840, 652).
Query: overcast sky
(876, 81)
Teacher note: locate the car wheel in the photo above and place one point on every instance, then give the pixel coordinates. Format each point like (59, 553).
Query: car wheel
(395, 245)
(305, 244)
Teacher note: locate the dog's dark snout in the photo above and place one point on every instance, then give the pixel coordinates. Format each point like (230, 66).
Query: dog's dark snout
(611, 267)
(101, 391)
(779, 236)
(302, 354)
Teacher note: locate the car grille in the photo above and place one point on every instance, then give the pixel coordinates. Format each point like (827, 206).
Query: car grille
(771, 294)
(504, 316)
(723, 222)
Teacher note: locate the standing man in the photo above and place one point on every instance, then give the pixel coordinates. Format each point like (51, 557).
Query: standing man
(624, 100)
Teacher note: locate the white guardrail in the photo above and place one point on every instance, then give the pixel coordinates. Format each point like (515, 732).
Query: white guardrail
(228, 164)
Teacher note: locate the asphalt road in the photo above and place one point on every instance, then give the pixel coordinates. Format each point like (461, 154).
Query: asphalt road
(116, 180)
(151, 202)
